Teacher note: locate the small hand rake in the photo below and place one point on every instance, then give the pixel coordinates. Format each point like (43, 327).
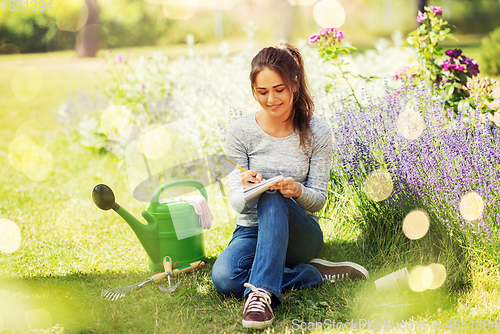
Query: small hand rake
(117, 293)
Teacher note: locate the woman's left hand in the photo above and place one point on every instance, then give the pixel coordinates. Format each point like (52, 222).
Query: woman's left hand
(288, 187)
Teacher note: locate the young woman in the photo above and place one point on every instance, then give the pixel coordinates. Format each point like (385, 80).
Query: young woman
(275, 243)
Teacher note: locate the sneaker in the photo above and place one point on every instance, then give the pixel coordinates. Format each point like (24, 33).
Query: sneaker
(258, 312)
(333, 271)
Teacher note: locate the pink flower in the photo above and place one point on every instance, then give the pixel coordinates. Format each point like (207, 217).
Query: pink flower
(340, 35)
(421, 17)
(436, 10)
(119, 58)
(313, 38)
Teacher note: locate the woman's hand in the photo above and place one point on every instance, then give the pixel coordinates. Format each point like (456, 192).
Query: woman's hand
(288, 187)
(250, 178)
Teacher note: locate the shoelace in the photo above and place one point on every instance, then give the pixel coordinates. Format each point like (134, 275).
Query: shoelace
(257, 301)
(332, 278)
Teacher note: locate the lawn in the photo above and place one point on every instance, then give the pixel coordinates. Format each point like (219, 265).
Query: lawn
(70, 250)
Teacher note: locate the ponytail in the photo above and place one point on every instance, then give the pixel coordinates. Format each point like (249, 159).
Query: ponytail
(287, 61)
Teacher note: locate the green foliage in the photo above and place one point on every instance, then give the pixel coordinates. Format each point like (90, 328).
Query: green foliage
(451, 77)
(28, 30)
(490, 51)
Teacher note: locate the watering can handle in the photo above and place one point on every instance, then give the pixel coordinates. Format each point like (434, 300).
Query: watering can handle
(155, 200)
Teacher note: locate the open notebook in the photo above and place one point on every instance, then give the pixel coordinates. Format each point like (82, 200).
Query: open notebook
(252, 194)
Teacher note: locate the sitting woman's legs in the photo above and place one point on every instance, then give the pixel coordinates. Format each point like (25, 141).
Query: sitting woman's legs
(271, 256)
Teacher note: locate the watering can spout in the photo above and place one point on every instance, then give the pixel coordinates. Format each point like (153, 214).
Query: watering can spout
(147, 234)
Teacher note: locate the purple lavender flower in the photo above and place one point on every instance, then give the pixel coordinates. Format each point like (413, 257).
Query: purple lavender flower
(421, 17)
(436, 10)
(313, 38)
(455, 53)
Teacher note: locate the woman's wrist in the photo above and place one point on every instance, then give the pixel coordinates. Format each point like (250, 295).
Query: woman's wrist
(299, 190)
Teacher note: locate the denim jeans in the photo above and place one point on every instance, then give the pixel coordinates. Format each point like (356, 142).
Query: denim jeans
(273, 255)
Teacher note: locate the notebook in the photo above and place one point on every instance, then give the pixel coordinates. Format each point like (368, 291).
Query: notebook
(253, 193)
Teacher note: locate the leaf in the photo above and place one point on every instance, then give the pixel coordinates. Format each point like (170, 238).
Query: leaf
(452, 37)
(450, 90)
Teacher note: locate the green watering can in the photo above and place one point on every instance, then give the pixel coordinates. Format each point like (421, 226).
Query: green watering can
(172, 229)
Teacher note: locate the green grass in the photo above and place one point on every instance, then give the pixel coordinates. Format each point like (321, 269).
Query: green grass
(71, 250)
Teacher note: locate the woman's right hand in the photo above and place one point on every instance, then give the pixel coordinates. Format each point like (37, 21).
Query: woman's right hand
(250, 178)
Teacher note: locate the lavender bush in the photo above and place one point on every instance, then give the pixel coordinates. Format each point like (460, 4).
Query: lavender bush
(433, 164)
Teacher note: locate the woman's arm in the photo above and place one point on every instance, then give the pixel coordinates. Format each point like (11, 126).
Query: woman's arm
(314, 191)
(236, 151)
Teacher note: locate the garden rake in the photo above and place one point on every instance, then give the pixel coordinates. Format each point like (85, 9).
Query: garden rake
(117, 293)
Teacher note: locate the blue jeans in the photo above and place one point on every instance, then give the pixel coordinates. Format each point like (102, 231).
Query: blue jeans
(273, 255)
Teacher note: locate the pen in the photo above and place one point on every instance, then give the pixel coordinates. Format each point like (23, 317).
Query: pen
(243, 169)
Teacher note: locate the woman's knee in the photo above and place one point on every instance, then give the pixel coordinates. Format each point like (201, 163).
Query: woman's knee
(226, 281)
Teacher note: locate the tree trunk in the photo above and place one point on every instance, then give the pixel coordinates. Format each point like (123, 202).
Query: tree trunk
(283, 19)
(89, 37)
(421, 4)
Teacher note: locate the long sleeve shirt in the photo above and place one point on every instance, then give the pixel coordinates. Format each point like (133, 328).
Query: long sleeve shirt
(252, 148)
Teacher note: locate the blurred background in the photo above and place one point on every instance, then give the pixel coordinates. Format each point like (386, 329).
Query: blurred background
(92, 25)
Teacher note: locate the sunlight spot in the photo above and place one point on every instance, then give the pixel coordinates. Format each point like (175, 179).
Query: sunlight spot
(10, 236)
(416, 224)
(471, 206)
(395, 280)
(37, 163)
(219, 4)
(9, 49)
(60, 40)
(90, 39)
(301, 2)
(30, 128)
(179, 10)
(155, 142)
(18, 149)
(419, 280)
(378, 185)
(410, 124)
(39, 318)
(72, 15)
(27, 84)
(117, 122)
(329, 14)
(437, 272)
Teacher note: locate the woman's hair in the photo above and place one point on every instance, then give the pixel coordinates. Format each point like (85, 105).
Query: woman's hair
(287, 61)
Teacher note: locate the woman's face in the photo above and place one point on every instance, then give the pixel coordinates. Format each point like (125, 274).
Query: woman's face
(274, 97)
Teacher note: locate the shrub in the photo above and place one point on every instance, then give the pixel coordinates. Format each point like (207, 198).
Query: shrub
(490, 46)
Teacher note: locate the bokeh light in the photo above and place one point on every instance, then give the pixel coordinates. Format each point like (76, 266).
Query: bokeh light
(9, 49)
(471, 206)
(180, 10)
(90, 39)
(27, 84)
(10, 236)
(329, 14)
(72, 15)
(155, 142)
(378, 185)
(410, 124)
(437, 272)
(61, 40)
(416, 224)
(18, 149)
(39, 318)
(30, 128)
(219, 4)
(301, 2)
(117, 122)
(420, 279)
(37, 163)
